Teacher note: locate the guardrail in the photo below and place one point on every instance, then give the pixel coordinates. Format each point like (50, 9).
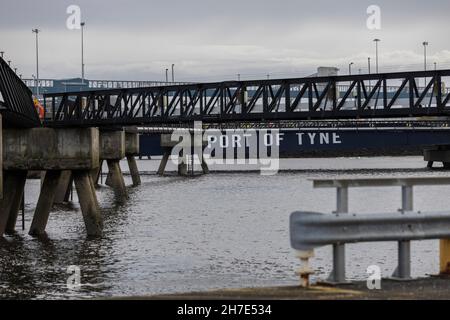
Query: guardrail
(309, 230)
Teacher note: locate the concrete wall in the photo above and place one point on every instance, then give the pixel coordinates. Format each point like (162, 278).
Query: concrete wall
(50, 149)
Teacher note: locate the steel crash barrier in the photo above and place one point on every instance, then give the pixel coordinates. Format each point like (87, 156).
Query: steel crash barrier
(311, 230)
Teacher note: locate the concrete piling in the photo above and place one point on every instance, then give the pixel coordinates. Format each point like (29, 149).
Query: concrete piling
(164, 160)
(20, 178)
(14, 182)
(95, 173)
(61, 153)
(437, 154)
(112, 149)
(49, 189)
(88, 203)
(116, 179)
(62, 193)
(134, 171)
(131, 152)
(186, 143)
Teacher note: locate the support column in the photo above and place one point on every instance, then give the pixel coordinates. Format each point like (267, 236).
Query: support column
(49, 189)
(132, 151)
(112, 149)
(14, 182)
(403, 271)
(438, 154)
(95, 173)
(88, 203)
(134, 171)
(52, 150)
(116, 179)
(62, 193)
(164, 160)
(16, 201)
(182, 164)
(337, 275)
(204, 166)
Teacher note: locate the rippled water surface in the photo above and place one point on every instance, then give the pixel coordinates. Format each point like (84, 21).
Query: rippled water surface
(213, 231)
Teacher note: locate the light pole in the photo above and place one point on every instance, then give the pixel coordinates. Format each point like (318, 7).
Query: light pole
(368, 63)
(268, 76)
(173, 73)
(350, 68)
(435, 66)
(239, 76)
(376, 53)
(167, 75)
(82, 24)
(36, 31)
(2, 53)
(425, 44)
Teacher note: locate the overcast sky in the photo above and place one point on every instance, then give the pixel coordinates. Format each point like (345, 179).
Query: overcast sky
(210, 40)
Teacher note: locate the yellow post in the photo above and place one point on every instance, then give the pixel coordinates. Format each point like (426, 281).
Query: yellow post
(444, 248)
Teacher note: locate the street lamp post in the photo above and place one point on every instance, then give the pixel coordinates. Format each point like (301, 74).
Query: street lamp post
(435, 66)
(173, 72)
(350, 68)
(368, 63)
(425, 44)
(2, 53)
(82, 24)
(239, 76)
(36, 31)
(376, 53)
(167, 75)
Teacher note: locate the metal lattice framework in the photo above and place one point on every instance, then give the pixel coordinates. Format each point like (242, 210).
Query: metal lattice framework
(16, 103)
(386, 95)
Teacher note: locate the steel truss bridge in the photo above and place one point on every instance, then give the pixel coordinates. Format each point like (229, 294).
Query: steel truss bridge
(388, 95)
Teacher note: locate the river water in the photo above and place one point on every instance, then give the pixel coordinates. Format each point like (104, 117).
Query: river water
(222, 230)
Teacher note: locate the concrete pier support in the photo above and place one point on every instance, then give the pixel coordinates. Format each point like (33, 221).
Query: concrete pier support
(438, 154)
(112, 149)
(14, 183)
(59, 152)
(62, 193)
(46, 199)
(134, 171)
(95, 173)
(88, 203)
(115, 179)
(190, 143)
(164, 160)
(131, 152)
